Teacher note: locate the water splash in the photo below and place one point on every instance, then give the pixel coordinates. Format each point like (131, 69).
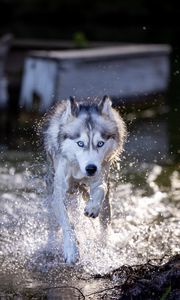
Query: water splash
(145, 224)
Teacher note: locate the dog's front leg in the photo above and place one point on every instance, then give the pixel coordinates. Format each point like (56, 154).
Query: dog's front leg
(98, 191)
(58, 204)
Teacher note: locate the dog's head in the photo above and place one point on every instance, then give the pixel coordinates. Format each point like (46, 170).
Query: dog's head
(91, 134)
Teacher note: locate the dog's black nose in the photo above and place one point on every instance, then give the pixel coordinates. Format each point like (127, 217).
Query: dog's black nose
(91, 170)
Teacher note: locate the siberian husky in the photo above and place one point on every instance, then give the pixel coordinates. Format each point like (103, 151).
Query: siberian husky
(81, 140)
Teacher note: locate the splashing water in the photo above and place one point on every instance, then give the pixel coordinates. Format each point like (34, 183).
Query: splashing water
(145, 224)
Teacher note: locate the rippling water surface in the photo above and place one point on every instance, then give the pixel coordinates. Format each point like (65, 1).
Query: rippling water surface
(145, 225)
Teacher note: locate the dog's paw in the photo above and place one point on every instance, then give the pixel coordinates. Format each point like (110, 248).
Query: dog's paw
(91, 210)
(71, 252)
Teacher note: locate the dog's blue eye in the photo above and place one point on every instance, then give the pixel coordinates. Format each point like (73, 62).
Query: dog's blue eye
(100, 144)
(80, 144)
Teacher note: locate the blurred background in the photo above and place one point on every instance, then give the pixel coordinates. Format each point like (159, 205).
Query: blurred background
(123, 21)
(67, 25)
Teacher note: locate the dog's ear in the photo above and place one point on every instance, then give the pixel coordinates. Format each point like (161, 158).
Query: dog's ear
(105, 105)
(72, 108)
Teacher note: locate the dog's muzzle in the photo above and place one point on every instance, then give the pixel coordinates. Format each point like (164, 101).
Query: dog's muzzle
(91, 170)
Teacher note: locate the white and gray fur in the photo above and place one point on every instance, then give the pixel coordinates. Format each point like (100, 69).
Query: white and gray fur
(81, 140)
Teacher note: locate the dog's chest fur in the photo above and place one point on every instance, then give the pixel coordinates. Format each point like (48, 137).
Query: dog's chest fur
(77, 187)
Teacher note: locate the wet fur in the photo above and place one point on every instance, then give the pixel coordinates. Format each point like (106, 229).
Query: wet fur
(66, 123)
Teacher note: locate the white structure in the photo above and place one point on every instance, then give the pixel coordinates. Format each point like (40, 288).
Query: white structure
(119, 71)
